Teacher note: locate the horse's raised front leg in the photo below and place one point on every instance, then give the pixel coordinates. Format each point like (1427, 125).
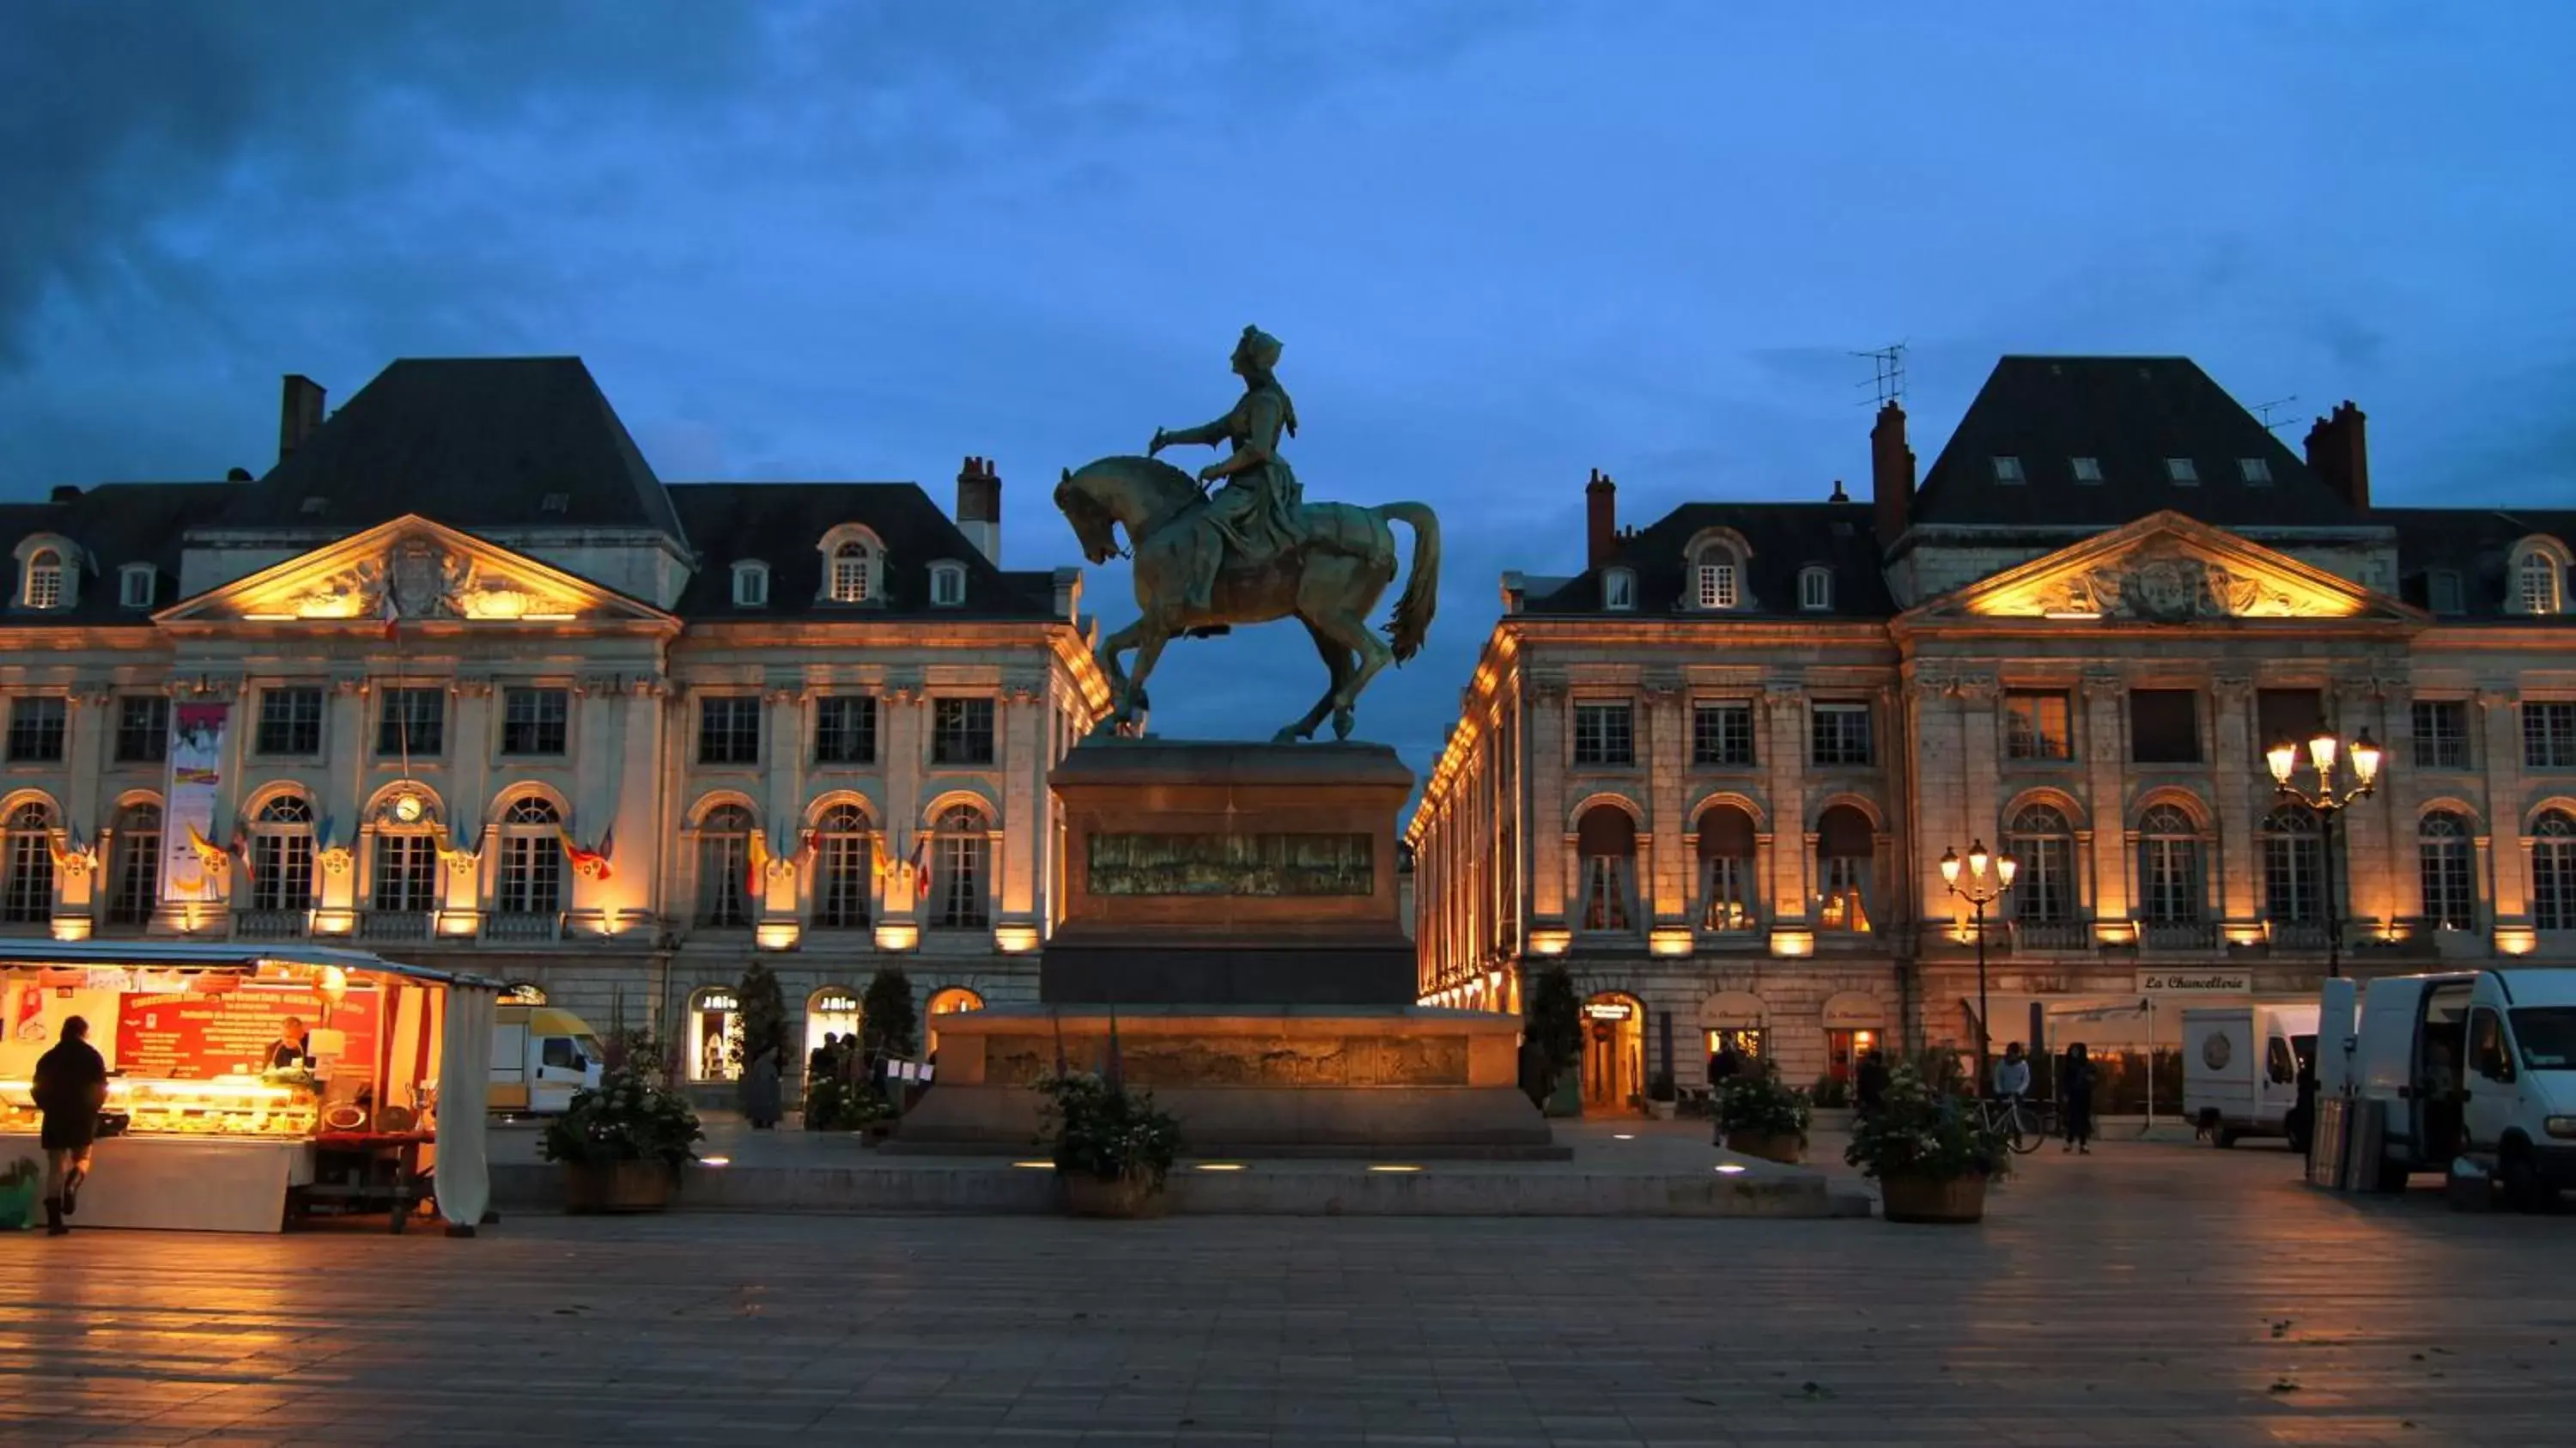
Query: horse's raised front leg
(1156, 633)
(1122, 689)
(1337, 667)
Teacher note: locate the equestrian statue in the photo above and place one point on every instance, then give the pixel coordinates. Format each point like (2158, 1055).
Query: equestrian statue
(1252, 552)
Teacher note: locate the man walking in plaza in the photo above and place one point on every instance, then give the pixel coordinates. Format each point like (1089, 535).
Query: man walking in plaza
(69, 1087)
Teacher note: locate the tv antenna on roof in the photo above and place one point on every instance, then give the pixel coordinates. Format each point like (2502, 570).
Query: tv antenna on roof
(2263, 412)
(1888, 385)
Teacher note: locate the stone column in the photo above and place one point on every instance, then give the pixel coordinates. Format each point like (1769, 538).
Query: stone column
(782, 794)
(2106, 748)
(1667, 741)
(2236, 763)
(2507, 874)
(1784, 713)
(467, 801)
(1940, 818)
(1023, 760)
(1551, 847)
(905, 728)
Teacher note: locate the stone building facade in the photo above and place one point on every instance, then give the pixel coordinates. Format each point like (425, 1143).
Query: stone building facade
(1714, 773)
(461, 681)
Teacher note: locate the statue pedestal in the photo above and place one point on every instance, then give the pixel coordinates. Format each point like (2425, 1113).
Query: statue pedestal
(1231, 910)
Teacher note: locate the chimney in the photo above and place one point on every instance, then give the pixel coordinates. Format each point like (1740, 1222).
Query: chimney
(1600, 519)
(979, 507)
(1891, 475)
(2339, 453)
(300, 416)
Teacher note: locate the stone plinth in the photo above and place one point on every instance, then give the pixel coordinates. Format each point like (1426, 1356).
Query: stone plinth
(1311, 1080)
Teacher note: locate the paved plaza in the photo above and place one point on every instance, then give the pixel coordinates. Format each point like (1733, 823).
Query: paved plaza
(2151, 1293)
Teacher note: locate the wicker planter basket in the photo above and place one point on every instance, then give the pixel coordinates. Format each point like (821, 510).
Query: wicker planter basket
(1131, 1196)
(1787, 1149)
(624, 1186)
(1926, 1200)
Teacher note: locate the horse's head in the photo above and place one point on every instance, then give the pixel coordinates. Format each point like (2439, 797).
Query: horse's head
(1132, 491)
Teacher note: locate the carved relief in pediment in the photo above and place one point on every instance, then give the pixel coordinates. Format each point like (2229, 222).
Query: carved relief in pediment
(2166, 586)
(420, 579)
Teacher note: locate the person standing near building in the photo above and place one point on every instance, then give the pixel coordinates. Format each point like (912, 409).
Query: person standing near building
(1869, 1084)
(70, 1085)
(2012, 1074)
(2075, 1084)
(1724, 1065)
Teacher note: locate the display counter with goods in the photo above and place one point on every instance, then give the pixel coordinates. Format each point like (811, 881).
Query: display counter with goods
(234, 1070)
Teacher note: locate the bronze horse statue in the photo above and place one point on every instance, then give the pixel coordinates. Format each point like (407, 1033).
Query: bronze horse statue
(1329, 578)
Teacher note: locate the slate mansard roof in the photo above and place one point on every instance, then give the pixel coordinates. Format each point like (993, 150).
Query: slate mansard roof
(2477, 544)
(1781, 539)
(522, 447)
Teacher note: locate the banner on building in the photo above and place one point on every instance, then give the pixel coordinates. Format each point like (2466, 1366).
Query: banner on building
(188, 810)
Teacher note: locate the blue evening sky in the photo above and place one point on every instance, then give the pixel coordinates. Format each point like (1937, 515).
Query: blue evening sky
(1505, 243)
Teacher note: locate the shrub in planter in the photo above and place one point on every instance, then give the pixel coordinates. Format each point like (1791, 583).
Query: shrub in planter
(1930, 1150)
(621, 1145)
(1113, 1149)
(832, 1104)
(1830, 1093)
(1763, 1117)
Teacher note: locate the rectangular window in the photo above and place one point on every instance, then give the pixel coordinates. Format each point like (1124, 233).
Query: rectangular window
(2182, 472)
(2549, 736)
(2036, 726)
(2441, 734)
(136, 883)
(406, 880)
(2164, 726)
(2088, 470)
(29, 896)
(36, 729)
(1722, 735)
(281, 870)
(2294, 878)
(411, 724)
(1605, 893)
(2170, 866)
(1842, 892)
(1717, 585)
(845, 729)
(2043, 892)
(1604, 734)
(2293, 714)
(961, 731)
(533, 721)
(1619, 589)
(1815, 589)
(962, 860)
(134, 588)
(2442, 592)
(729, 729)
(1725, 892)
(1839, 734)
(531, 875)
(841, 884)
(2008, 470)
(2255, 472)
(142, 729)
(2450, 895)
(2553, 883)
(290, 722)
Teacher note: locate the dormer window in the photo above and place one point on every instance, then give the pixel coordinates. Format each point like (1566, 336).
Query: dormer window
(2183, 473)
(48, 576)
(750, 584)
(1815, 589)
(947, 584)
(2088, 470)
(2008, 470)
(2255, 472)
(2537, 581)
(853, 565)
(2442, 592)
(134, 585)
(1618, 590)
(44, 579)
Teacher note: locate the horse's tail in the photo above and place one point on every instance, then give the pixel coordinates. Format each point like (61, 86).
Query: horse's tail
(1412, 621)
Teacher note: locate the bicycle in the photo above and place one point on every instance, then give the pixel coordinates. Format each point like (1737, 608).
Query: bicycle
(2024, 1124)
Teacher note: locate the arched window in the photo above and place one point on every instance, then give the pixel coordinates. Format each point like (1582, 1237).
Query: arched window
(1606, 840)
(853, 571)
(2535, 582)
(281, 857)
(2553, 871)
(2442, 857)
(27, 896)
(2169, 870)
(962, 847)
(44, 579)
(1726, 893)
(724, 866)
(714, 1035)
(2294, 866)
(134, 865)
(532, 859)
(844, 864)
(950, 1001)
(2043, 845)
(1717, 576)
(1846, 845)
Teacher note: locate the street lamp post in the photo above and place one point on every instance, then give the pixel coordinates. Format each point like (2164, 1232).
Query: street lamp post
(1980, 894)
(2329, 803)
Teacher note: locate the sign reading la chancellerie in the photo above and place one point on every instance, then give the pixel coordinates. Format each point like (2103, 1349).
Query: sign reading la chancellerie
(2195, 982)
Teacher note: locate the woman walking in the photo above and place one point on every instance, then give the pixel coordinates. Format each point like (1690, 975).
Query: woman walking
(2075, 1084)
(69, 1087)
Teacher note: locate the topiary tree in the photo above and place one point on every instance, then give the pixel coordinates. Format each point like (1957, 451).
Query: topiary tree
(888, 1025)
(764, 1016)
(1555, 1028)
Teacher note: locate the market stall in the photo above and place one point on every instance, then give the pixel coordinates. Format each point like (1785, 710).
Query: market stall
(248, 1086)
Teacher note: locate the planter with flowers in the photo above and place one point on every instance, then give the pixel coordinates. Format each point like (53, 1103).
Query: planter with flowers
(622, 1144)
(1764, 1117)
(1930, 1150)
(1113, 1149)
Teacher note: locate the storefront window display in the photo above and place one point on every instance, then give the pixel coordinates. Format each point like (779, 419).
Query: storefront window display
(1844, 1051)
(831, 1011)
(715, 1035)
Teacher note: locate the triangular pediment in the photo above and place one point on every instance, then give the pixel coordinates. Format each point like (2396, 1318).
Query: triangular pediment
(415, 572)
(2165, 568)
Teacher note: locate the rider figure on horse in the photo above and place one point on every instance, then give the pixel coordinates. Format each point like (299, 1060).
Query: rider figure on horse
(1256, 513)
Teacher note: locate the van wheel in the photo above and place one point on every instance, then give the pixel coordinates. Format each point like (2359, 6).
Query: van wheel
(2225, 1139)
(2523, 1190)
(2393, 1176)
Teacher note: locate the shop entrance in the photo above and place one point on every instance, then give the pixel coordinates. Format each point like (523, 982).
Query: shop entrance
(1614, 1055)
(1845, 1050)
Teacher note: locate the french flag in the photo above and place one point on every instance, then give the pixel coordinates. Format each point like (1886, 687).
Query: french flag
(390, 612)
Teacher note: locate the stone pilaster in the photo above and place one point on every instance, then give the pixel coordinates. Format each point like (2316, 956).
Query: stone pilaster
(2237, 764)
(1784, 714)
(1551, 848)
(1023, 761)
(1665, 892)
(2506, 876)
(2106, 748)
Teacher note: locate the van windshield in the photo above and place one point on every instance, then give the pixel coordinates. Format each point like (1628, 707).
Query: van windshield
(2547, 1036)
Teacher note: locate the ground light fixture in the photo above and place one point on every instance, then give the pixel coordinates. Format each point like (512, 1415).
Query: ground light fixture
(1731, 1168)
(1392, 1166)
(1036, 1165)
(715, 1161)
(1220, 1166)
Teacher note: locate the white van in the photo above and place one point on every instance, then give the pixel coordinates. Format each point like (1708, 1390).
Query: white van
(2240, 1068)
(2477, 1066)
(540, 1057)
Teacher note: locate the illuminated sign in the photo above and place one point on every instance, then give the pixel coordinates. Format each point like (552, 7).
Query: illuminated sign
(718, 1000)
(835, 1003)
(1609, 1010)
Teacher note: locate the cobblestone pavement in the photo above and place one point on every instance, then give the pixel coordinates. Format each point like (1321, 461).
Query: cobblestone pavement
(2146, 1294)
